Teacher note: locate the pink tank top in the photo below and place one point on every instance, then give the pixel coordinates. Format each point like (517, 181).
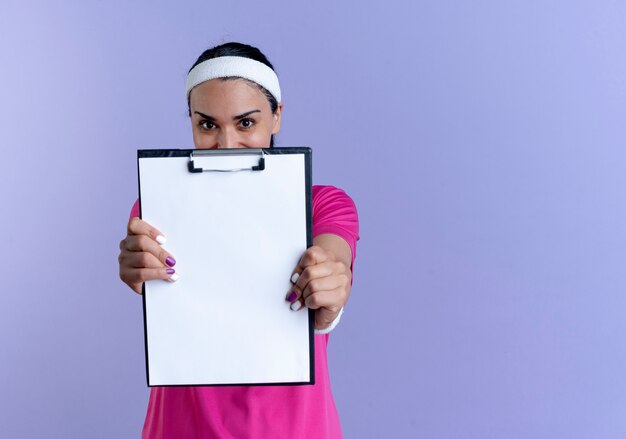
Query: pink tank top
(261, 412)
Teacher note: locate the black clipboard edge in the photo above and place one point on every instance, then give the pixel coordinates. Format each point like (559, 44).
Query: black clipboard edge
(295, 383)
(143, 285)
(308, 173)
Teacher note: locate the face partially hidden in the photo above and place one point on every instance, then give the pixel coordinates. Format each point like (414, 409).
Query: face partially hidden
(231, 114)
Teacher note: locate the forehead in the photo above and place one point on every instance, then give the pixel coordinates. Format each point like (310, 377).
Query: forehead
(227, 96)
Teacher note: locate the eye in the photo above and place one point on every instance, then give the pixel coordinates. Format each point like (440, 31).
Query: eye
(246, 123)
(206, 125)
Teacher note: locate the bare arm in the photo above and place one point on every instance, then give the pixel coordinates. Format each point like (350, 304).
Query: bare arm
(335, 245)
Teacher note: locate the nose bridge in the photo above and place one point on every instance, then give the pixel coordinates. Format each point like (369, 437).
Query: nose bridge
(228, 138)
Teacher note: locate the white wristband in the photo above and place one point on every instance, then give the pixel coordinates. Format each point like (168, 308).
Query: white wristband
(332, 325)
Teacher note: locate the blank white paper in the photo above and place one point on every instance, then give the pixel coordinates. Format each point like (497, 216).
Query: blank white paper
(236, 238)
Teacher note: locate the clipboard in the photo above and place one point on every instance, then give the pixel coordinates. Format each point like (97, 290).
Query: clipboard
(237, 221)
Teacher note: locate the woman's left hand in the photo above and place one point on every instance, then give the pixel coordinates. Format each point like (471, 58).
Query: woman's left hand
(323, 284)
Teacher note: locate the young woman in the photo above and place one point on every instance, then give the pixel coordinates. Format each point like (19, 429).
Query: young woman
(234, 101)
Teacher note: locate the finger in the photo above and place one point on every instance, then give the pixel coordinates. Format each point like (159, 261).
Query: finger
(295, 299)
(297, 305)
(323, 269)
(321, 285)
(294, 294)
(313, 255)
(137, 226)
(139, 260)
(331, 299)
(143, 243)
(328, 292)
(140, 275)
(309, 257)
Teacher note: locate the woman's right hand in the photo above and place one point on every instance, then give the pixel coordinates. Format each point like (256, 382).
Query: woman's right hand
(141, 256)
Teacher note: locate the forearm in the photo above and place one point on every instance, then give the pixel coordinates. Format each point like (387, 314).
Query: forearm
(337, 246)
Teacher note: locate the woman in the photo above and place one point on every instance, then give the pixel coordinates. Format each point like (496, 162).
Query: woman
(234, 101)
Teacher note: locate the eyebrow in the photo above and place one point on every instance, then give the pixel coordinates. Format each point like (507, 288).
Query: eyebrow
(238, 117)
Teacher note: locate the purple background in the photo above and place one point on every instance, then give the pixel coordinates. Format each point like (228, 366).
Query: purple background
(483, 142)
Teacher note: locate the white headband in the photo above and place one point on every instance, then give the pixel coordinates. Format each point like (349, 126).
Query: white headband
(226, 66)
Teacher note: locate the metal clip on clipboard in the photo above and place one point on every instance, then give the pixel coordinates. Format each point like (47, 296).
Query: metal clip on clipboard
(225, 154)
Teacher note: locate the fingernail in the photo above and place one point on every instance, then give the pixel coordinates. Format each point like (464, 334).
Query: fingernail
(161, 239)
(295, 306)
(171, 261)
(170, 271)
(294, 278)
(292, 296)
(174, 277)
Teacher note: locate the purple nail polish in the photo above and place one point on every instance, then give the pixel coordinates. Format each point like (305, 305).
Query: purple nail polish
(170, 261)
(170, 271)
(292, 296)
